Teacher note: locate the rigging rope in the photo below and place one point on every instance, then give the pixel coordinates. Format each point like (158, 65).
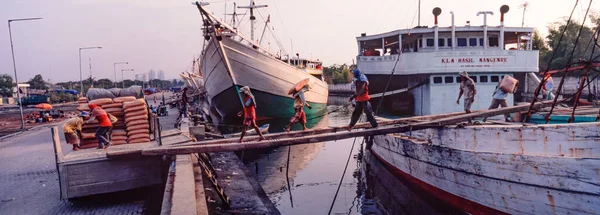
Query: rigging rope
(342, 179)
(562, 81)
(544, 77)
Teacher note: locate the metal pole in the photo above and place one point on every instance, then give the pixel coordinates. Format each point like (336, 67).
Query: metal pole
(122, 80)
(80, 75)
(16, 80)
(115, 73)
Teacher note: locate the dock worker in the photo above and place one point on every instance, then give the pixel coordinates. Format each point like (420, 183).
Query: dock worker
(499, 99)
(299, 103)
(72, 130)
(548, 86)
(249, 112)
(362, 98)
(105, 125)
(467, 87)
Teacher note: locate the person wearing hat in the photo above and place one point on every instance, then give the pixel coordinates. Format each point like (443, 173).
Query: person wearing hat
(362, 100)
(105, 125)
(467, 87)
(249, 112)
(72, 129)
(299, 115)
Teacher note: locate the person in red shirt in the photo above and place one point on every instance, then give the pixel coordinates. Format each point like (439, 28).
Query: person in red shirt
(249, 112)
(105, 125)
(362, 100)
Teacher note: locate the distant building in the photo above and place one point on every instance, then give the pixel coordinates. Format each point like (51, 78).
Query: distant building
(141, 77)
(161, 75)
(151, 75)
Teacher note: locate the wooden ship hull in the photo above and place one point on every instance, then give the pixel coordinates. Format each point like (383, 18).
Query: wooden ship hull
(227, 65)
(514, 169)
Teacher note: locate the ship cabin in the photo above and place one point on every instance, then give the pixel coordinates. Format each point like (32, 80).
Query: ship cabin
(312, 67)
(431, 58)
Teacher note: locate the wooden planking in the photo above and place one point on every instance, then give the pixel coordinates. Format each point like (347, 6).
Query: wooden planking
(183, 200)
(109, 176)
(201, 205)
(326, 130)
(500, 193)
(112, 186)
(521, 168)
(58, 155)
(561, 140)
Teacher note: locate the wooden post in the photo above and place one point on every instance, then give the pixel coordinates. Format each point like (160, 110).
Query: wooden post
(58, 155)
(198, 132)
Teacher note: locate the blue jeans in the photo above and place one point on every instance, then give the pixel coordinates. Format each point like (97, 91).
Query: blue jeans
(101, 133)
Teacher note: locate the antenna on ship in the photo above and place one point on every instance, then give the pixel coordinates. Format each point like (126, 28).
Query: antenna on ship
(524, 6)
(252, 6)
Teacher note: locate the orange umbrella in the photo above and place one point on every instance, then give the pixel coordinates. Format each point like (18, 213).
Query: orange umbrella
(44, 106)
(298, 86)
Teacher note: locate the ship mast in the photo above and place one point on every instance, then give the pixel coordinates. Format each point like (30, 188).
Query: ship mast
(233, 16)
(252, 6)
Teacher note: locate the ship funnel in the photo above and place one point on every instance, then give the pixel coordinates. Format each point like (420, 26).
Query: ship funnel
(504, 9)
(436, 12)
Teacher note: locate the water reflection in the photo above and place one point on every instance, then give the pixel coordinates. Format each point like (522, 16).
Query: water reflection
(302, 179)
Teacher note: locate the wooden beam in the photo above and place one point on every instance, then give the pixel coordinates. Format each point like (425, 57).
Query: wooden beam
(325, 130)
(320, 137)
(58, 155)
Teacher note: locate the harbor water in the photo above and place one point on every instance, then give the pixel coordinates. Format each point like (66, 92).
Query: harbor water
(303, 179)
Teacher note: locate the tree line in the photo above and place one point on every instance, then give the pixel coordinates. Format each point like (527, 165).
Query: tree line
(37, 82)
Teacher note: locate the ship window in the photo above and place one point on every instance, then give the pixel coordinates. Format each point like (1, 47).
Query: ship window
(449, 42)
(429, 42)
(437, 80)
(481, 42)
(441, 42)
(493, 42)
(483, 79)
(461, 42)
(448, 79)
(472, 41)
(495, 79)
(458, 80)
(474, 78)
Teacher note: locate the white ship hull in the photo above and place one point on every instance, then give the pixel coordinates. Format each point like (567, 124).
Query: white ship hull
(546, 169)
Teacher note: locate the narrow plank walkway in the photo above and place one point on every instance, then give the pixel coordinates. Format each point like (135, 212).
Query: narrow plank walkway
(330, 134)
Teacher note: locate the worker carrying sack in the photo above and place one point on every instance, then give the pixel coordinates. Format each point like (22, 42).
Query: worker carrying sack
(508, 84)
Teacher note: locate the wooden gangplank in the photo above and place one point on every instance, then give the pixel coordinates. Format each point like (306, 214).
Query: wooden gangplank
(330, 134)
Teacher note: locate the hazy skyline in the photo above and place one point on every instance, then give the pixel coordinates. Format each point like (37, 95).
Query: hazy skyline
(165, 35)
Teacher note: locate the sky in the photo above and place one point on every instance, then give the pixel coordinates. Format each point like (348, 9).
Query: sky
(165, 34)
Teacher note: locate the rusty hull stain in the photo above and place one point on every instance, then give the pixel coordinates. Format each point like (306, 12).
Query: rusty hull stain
(551, 201)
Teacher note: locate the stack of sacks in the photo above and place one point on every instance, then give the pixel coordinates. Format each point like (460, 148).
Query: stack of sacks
(88, 135)
(136, 120)
(82, 100)
(119, 136)
(83, 106)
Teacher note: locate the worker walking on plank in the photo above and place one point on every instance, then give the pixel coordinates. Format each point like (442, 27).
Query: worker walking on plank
(72, 130)
(105, 125)
(467, 87)
(499, 99)
(362, 100)
(249, 112)
(299, 102)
